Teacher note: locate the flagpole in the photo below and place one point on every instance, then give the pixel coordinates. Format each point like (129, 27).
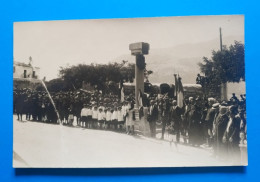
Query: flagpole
(50, 97)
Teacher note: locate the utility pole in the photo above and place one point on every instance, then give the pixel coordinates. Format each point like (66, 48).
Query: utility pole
(220, 36)
(223, 88)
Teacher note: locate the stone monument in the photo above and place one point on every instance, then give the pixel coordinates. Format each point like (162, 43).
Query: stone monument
(140, 49)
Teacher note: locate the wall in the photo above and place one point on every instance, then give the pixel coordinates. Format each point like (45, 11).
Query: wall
(19, 71)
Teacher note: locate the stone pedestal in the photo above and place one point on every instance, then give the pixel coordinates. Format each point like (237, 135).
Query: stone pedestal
(142, 125)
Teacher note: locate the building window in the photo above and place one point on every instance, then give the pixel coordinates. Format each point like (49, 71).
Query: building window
(25, 73)
(14, 69)
(33, 75)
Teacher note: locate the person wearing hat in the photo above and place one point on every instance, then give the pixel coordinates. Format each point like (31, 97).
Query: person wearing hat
(175, 118)
(165, 112)
(231, 135)
(220, 124)
(210, 116)
(194, 117)
(152, 118)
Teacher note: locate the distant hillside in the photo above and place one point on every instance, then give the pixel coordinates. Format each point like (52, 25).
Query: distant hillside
(182, 59)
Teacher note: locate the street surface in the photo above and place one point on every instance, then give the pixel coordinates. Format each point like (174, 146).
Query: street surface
(47, 145)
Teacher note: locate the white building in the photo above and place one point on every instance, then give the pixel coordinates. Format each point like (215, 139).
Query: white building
(26, 71)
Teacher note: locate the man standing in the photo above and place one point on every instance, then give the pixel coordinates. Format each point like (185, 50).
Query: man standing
(153, 117)
(231, 135)
(165, 115)
(175, 117)
(209, 121)
(220, 125)
(193, 116)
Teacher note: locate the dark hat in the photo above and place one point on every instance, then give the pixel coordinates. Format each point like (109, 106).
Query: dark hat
(233, 109)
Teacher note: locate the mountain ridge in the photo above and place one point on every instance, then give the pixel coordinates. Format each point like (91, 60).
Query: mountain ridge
(182, 59)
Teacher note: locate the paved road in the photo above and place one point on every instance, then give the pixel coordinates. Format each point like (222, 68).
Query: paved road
(47, 145)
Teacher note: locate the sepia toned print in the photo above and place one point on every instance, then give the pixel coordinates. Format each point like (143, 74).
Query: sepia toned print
(137, 92)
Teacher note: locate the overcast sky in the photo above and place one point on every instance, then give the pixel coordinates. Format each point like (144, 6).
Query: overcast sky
(59, 43)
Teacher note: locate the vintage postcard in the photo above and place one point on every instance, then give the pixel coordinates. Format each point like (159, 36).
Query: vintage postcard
(136, 92)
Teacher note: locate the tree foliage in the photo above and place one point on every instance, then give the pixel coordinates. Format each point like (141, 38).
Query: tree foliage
(56, 85)
(98, 75)
(224, 66)
(101, 76)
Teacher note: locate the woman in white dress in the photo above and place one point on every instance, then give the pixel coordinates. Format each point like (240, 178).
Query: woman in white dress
(130, 120)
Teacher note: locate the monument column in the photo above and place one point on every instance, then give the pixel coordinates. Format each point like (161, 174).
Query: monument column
(139, 50)
(139, 77)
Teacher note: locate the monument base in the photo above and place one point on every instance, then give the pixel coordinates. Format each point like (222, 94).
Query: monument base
(141, 124)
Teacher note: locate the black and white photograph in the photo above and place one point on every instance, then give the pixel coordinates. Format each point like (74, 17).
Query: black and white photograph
(132, 92)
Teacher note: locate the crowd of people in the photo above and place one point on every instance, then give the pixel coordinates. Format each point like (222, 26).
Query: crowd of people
(205, 121)
(220, 125)
(90, 110)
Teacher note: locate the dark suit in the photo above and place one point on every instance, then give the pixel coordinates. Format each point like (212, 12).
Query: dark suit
(209, 124)
(165, 117)
(194, 117)
(231, 137)
(175, 117)
(153, 117)
(220, 148)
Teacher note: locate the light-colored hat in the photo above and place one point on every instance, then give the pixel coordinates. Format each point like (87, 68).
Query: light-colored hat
(216, 105)
(211, 99)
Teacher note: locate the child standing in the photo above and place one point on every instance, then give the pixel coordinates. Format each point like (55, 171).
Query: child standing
(108, 118)
(83, 115)
(94, 116)
(130, 120)
(71, 117)
(89, 117)
(120, 118)
(114, 118)
(100, 118)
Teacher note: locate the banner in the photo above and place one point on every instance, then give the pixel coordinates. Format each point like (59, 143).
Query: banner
(180, 91)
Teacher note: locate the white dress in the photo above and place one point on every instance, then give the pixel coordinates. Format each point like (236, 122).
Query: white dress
(129, 118)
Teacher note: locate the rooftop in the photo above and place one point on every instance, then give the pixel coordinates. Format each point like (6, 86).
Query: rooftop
(24, 64)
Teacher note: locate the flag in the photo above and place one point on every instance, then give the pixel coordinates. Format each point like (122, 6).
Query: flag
(176, 85)
(180, 96)
(140, 98)
(121, 88)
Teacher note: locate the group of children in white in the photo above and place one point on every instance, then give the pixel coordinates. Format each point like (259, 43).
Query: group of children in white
(118, 118)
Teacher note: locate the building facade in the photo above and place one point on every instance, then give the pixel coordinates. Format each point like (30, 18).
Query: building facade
(27, 71)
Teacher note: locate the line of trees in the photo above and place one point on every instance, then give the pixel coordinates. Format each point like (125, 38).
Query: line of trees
(98, 75)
